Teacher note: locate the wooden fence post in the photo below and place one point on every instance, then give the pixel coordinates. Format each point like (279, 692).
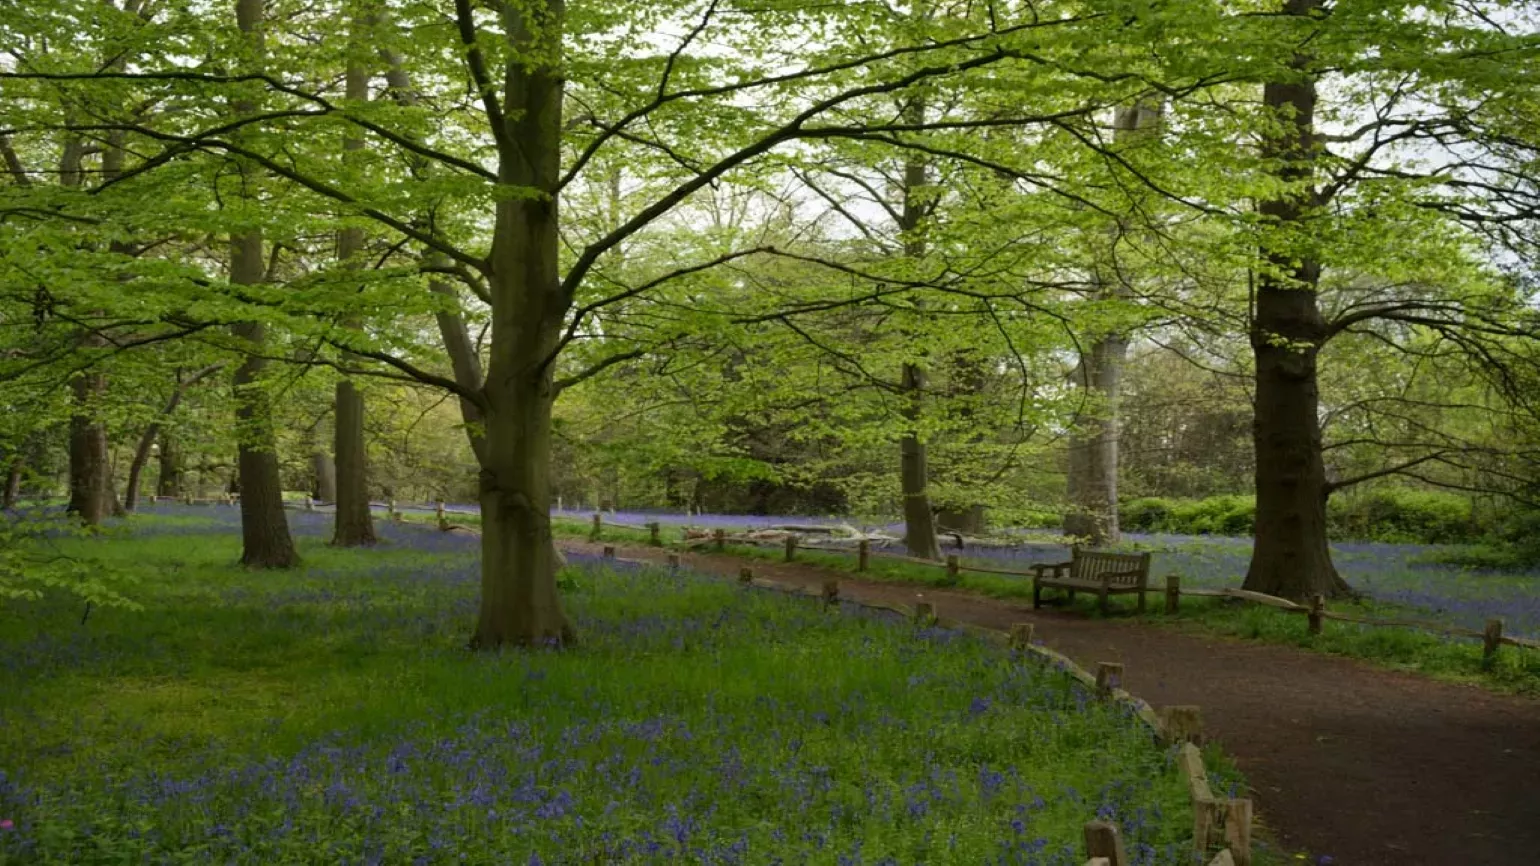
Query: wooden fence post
(791, 547)
(1181, 724)
(309, 505)
(598, 528)
(1317, 607)
(953, 571)
(609, 551)
(1021, 635)
(1491, 639)
(1173, 593)
(831, 591)
(657, 534)
(924, 614)
(443, 522)
(863, 555)
(721, 538)
(1238, 830)
(390, 511)
(1103, 840)
(745, 575)
(1109, 675)
(673, 560)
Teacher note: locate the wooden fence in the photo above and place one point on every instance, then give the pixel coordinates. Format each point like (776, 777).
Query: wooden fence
(1492, 636)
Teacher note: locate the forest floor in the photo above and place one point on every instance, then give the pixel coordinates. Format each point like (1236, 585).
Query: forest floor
(1356, 764)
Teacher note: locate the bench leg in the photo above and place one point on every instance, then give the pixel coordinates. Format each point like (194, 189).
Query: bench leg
(1037, 594)
(1071, 597)
(1141, 601)
(1101, 601)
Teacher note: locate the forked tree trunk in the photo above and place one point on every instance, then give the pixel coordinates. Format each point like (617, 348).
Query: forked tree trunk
(1290, 558)
(354, 525)
(152, 432)
(1093, 448)
(520, 603)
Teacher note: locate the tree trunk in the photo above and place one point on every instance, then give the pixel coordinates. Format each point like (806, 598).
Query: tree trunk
(14, 469)
(1093, 448)
(90, 478)
(914, 473)
(147, 439)
(919, 519)
(1290, 557)
(520, 603)
(264, 526)
(325, 471)
(354, 524)
(170, 481)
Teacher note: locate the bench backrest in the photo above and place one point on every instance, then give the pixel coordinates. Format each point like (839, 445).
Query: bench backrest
(1090, 565)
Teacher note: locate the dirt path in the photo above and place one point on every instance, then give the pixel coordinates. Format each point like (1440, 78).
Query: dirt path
(1369, 766)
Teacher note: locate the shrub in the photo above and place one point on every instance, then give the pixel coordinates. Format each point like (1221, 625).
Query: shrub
(1400, 514)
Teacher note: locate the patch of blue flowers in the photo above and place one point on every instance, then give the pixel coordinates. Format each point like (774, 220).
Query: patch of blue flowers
(331, 716)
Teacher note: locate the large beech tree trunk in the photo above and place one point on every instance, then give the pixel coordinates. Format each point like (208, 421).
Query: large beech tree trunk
(264, 526)
(520, 603)
(354, 525)
(1093, 448)
(1290, 558)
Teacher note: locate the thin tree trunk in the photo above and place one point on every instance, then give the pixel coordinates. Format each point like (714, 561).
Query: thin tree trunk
(354, 524)
(1093, 448)
(914, 473)
(15, 467)
(265, 538)
(1290, 558)
(147, 439)
(520, 603)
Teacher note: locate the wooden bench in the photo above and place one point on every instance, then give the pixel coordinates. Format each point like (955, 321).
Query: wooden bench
(1097, 571)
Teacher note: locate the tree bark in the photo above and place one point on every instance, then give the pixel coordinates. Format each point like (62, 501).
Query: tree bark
(914, 472)
(325, 471)
(14, 469)
(1093, 448)
(1290, 557)
(520, 603)
(90, 475)
(354, 524)
(170, 480)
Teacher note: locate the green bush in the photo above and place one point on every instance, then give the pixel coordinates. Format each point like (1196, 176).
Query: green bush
(1400, 514)
(1394, 514)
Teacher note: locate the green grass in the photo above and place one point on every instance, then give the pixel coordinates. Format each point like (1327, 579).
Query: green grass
(331, 714)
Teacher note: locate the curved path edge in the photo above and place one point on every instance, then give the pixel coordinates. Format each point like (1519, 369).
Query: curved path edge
(1368, 766)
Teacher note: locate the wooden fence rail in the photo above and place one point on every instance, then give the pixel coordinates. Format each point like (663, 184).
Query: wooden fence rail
(1492, 636)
